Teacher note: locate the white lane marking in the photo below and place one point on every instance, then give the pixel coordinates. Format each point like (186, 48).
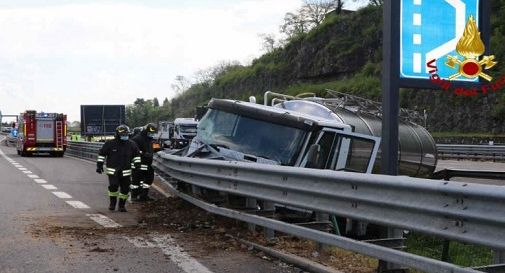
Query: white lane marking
(418, 2)
(140, 242)
(160, 190)
(417, 63)
(62, 195)
(417, 19)
(103, 220)
(177, 254)
(416, 39)
(170, 248)
(78, 204)
(49, 187)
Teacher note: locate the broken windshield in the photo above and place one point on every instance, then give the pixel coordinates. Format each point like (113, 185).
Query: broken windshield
(250, 136)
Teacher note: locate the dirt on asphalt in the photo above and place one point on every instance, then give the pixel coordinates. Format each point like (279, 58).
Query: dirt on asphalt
(206, 232)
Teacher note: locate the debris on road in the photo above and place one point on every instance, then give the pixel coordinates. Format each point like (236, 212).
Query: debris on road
(204, 233)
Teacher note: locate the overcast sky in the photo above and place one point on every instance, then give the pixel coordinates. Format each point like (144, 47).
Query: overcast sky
(58, 54)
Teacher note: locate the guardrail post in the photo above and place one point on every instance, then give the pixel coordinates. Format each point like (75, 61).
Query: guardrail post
(196, 190)
(445, 251)
(387, 266)
(322, 217)
(499, 256)
(269, 233)
(251, 203)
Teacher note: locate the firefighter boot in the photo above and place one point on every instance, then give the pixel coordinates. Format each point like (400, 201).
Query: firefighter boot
(144, 197)
(121, 206)
(113, 201)
(134, 192)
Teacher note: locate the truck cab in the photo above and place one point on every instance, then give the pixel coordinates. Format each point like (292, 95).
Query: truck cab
(165, 133)
(184, 131)
(243, 131)
(341, 132)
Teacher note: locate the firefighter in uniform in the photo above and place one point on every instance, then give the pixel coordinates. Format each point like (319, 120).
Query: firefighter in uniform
(120, 154)
(143, 177)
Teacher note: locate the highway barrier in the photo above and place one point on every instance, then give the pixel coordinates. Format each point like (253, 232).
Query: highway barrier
(471, 213)
(466, 212)
(473, 152)
(83, 149)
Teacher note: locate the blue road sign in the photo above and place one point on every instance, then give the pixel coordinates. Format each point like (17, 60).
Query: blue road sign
(430, 29)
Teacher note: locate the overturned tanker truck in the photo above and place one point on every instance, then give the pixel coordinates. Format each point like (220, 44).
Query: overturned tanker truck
(340, 133)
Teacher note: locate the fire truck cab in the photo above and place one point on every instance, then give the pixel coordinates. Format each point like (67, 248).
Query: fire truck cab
(41, 133)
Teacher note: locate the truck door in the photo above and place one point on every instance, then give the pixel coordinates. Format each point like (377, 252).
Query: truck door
(346, 151)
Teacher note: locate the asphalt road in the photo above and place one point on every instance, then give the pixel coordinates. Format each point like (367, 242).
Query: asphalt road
(54, 218)
(473, 165)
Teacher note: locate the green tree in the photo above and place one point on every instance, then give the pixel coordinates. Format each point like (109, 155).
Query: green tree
(310, 15)
(141, 112)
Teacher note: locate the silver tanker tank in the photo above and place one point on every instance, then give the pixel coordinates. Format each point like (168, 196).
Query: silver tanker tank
(417, 149)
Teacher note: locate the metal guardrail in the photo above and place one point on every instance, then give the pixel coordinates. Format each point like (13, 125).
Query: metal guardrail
(470, 213)
(447, 174)
(377, 251)
(479, 152)
(464, 212)
(84, 150)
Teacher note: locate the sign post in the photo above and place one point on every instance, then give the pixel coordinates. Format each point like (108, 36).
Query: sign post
(390, 105)
(429, 44)
(390, 90)
(435, 44)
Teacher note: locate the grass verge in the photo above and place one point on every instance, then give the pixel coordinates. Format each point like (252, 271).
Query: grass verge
(459, 253)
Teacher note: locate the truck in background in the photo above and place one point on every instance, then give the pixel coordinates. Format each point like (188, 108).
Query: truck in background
(41, 133)
(176, 134)
(165, 133)
(184, 131)
(101, 120)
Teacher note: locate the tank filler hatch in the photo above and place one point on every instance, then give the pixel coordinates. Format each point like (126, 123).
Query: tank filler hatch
(361, 105)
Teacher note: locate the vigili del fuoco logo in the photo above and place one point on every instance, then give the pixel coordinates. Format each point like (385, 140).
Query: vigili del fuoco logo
(471, 47)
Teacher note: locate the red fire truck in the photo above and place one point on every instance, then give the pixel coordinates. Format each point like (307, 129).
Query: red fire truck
(42, 133)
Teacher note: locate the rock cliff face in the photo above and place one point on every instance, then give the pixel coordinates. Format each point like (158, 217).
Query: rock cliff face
(344, 53)
(447, 113)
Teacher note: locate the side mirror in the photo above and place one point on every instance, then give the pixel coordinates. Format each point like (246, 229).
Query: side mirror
(313, 155)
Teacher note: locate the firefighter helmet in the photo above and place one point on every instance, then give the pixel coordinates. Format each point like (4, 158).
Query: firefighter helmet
(136, 131)
(122, 130)
(151, 128)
